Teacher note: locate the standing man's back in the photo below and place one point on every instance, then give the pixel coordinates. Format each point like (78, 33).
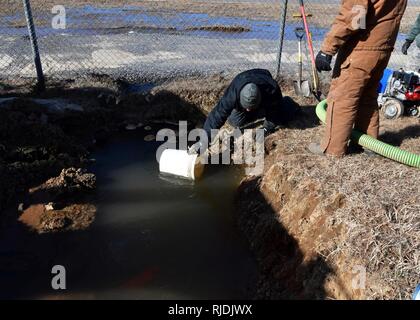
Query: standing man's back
(365, 25)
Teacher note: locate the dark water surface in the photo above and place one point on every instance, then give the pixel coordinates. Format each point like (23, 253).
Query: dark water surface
(153, 237)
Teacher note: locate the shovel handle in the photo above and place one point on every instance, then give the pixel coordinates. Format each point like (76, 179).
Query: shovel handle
(300, 61)
(311, 47)
(308, 35)
(314, 70)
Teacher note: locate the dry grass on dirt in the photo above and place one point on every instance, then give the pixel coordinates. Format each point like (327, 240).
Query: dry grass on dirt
(377, 226)
(352, 212)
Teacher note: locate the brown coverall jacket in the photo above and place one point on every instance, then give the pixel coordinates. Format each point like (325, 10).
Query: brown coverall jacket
(363, 54)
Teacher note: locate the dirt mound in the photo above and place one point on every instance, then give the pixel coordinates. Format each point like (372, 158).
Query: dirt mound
(69, 181)
(59, 204)
(32, 148)
(70, 218)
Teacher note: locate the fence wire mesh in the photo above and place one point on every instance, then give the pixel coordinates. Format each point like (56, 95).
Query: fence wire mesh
(138, 39)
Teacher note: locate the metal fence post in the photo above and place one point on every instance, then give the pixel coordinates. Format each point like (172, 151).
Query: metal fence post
(34, 44)
(283, 17)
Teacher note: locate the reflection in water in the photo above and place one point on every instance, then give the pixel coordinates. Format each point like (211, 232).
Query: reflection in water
(154, 237)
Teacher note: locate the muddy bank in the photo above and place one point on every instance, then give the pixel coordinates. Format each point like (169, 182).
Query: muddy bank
(326, 228)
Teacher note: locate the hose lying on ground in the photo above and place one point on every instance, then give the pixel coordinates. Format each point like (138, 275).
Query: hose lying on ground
(379, 147)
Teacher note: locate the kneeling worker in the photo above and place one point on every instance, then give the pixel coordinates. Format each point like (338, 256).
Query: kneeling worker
(251, 96)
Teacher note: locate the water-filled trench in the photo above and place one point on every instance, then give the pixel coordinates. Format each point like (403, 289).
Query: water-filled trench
(153, 237)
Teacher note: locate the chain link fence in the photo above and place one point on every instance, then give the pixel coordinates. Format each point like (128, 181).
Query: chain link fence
(321, 15)
(162, 39)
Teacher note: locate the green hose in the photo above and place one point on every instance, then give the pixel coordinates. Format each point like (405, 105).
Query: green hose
(379, 147)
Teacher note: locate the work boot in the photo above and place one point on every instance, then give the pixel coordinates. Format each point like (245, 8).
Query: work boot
(315, 148)
(354, 148)
(370, 153)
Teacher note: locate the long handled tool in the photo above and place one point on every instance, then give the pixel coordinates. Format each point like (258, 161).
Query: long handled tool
(302, 87)
(315, 85)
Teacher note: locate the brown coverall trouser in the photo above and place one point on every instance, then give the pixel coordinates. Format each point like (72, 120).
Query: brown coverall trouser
(352, 100)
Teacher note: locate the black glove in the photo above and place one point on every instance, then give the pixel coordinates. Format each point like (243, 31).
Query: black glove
(269, 127)
(323, 62)
(405, 46)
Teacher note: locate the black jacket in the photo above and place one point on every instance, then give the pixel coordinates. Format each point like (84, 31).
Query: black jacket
(270, 93)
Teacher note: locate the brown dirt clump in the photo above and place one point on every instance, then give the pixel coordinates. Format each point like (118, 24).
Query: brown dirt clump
(70, 218)
(70, 180)
(57, 204)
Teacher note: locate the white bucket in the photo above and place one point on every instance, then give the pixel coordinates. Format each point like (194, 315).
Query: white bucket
(180, 163)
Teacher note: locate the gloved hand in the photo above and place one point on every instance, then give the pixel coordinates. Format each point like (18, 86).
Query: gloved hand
(405, 46)
(323, 62)
(269, 127)
(195, 148)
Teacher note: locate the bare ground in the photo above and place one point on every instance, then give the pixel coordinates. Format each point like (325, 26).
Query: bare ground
(312, 222)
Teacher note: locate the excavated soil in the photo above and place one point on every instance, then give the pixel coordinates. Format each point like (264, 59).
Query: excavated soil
(57, 204)
(312, 222)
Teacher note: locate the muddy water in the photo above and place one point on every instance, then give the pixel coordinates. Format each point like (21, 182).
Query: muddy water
(153, 237)
(135, 19)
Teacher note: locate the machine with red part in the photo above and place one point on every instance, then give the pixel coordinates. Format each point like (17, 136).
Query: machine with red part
(399, 94)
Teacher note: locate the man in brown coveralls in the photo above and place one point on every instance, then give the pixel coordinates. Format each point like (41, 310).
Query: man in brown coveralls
(363, 52)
